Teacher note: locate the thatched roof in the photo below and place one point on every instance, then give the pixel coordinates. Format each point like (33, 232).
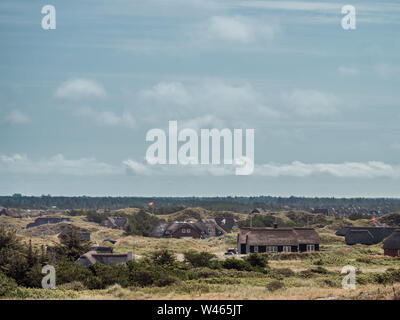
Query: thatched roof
(10, 212)
(117, 222)
(272, 237)
(393, 241)
(307, 235)
(203, 227)
(278, 236)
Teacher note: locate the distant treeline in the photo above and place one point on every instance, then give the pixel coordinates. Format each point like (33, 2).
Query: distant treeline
(238, 204)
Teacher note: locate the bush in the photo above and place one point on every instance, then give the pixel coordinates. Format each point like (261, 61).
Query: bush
(237, 264)
(68, 271)
(74, 285)
(199, 259)
(163, 257)
(320, 270)
(141, 223)
(286, 272)
(257, 260)
(7, 285)
(143, 278)
(307, 274)
(388, 277)
(275, 285)
(318, 262)
(207, 273)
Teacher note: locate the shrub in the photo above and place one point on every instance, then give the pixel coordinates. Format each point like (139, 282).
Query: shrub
(163, 257)
(306, 274)
(286, 272)
(275, 285)
(7, 285)
(141, 223)
(257, 260)
(74, 285)
(68, 271)
(320, 270)
(199, 259)
(207, 273)
(166, 280)
(318, 262)
(143, 278)
(109, 275)
(237, 264)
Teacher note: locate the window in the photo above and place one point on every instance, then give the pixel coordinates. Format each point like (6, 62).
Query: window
(255, 248)
(287, 248)
(183, 230)
(310, 247)
(398, 252)
(188, 230)
(272, 249)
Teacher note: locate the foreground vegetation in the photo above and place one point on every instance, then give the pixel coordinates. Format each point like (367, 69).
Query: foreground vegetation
(193, 268)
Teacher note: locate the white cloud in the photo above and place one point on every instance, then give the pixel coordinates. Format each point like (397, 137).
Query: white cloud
(17, 117)
(167, 93)
(107, 118)
(58, 164)
(348, 71)
(205, 103)
(239, 29)
(77, 89)
(370, 169)
(146, 169)
(136, 168)
(311, 102)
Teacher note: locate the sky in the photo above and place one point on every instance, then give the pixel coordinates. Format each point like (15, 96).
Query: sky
(76, 102)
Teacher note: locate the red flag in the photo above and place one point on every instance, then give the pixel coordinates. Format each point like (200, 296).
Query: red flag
(151, 203)
(373, 219)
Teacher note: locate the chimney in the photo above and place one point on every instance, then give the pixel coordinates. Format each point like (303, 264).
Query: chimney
(275, 226)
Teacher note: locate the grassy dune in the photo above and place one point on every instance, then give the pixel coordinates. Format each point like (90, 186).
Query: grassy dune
(300, 276)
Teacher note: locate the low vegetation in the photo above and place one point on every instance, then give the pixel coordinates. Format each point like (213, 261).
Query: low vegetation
(192, 268)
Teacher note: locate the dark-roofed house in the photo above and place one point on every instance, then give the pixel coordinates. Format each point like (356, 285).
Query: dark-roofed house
(277, 240)
(201, 229)
(320, 210)
(257, 210)
(14, 213)
(226, 222)
(115, 222)
(47, 220)
(109, 259)
(391, 245)
(365, 235)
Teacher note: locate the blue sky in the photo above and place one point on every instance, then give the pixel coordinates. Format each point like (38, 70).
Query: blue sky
(76, 102)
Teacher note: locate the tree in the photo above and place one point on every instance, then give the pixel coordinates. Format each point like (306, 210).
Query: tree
(199, 259)
(163, 257)
(17, 261)
(72, 246)
(257, 260)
